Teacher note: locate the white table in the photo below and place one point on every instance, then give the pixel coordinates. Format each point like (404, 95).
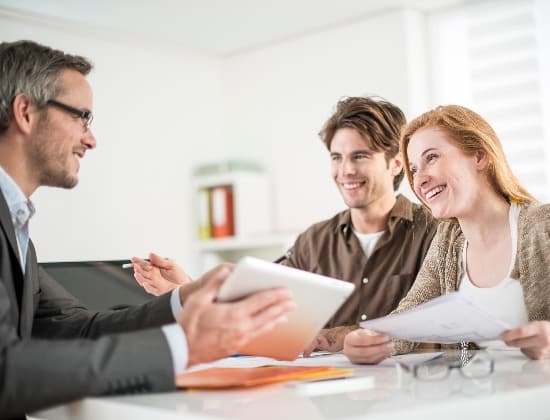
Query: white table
(518, 389)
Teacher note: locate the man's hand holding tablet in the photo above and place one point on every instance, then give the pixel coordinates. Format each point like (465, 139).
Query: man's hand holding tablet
(317, 298)
(215, 329)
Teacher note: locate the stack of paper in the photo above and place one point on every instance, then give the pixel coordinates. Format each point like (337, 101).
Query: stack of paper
(447, 319)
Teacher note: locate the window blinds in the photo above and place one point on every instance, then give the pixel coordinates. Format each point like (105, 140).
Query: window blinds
(499, 59)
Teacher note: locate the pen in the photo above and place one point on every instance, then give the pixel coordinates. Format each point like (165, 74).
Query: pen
(283, 257)
(130, 265)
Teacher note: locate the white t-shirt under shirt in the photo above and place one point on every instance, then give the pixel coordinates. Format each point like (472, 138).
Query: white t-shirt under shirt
(505, 300)
(368, 241)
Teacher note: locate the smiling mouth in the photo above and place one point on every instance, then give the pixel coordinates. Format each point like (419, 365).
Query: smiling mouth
(434, 192)
(351, 185)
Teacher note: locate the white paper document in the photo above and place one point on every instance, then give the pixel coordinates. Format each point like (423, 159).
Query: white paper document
(447, 319)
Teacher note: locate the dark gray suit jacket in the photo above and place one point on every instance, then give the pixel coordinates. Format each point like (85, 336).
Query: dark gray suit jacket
(53, 350)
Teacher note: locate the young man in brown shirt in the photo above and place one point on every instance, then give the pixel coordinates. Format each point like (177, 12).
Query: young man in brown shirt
(378, 243)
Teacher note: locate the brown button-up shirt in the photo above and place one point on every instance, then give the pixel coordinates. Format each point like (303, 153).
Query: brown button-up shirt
(331, 248)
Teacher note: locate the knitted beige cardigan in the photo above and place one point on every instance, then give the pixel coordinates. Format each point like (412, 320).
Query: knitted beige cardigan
(442, 271)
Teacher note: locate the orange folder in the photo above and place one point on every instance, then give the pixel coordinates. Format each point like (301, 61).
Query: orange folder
(220, 378)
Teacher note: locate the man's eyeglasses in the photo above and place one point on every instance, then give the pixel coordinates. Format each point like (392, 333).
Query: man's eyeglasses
(86, 116)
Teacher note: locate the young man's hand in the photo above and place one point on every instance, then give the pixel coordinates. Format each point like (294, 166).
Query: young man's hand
(367, 347)
(330, 339)
(158, 275)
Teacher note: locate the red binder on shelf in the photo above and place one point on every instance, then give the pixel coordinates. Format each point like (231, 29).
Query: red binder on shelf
(221, 201)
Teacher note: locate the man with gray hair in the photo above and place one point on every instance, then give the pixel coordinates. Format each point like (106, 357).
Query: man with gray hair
(52, 349)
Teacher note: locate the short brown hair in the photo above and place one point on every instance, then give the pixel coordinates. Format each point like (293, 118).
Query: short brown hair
(471, 133)
(33, 69)
(378, 121)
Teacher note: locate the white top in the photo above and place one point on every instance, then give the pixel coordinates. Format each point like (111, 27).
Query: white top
(368, 241)
(505, 300)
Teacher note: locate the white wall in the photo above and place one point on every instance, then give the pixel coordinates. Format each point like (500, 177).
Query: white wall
(158, 112)
(278, 98)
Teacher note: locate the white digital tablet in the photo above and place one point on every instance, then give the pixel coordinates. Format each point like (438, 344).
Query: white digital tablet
(317, 298)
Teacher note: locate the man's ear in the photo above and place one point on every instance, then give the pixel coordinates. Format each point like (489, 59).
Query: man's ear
(396, 164)
(23, 115)
(482, 159)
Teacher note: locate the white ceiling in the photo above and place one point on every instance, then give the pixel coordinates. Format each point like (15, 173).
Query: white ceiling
(217, 27)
